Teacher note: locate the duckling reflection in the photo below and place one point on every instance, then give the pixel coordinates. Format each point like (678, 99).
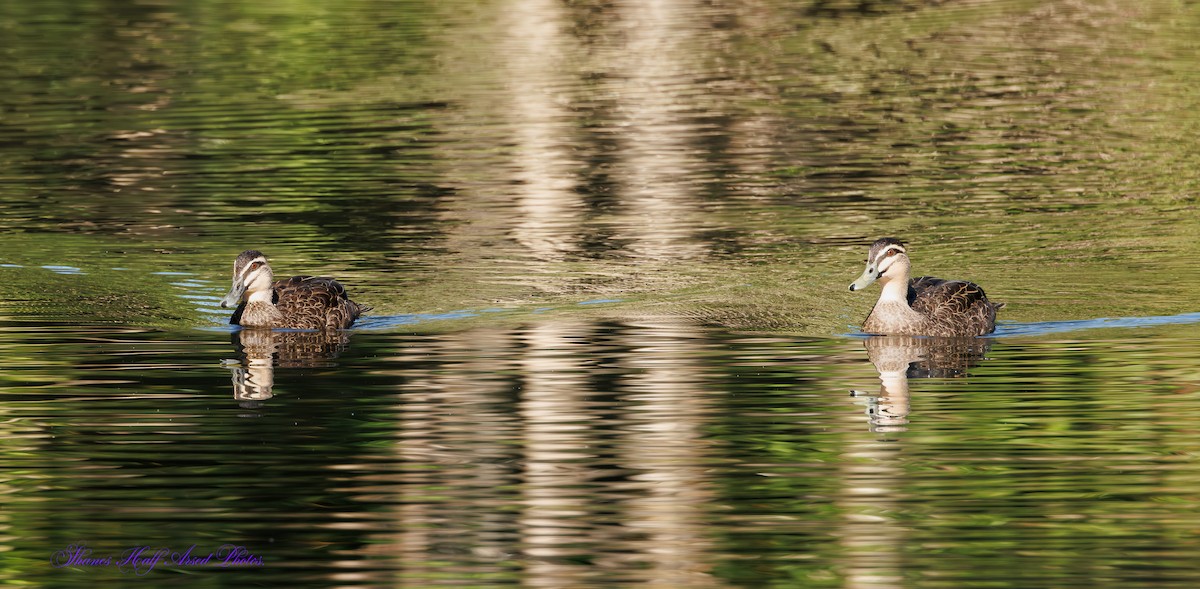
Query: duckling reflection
(899, 358)
(261, 350)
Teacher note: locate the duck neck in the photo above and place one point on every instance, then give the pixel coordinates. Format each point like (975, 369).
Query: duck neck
(262, 297)
(894, 290)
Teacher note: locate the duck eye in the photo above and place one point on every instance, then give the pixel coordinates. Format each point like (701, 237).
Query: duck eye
(890, 253)
(255, 265)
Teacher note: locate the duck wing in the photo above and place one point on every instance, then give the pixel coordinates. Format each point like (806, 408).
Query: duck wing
(960, 307)
(315, 302)
(931, 295)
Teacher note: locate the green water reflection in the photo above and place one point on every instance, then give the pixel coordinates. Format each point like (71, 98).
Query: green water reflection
(607, 246)
(593, 454)
(720, 163)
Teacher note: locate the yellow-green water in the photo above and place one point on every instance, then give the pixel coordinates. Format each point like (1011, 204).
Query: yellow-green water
(607, 245)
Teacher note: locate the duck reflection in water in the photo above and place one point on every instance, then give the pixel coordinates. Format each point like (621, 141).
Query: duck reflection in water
(261, 350)
(899, 358)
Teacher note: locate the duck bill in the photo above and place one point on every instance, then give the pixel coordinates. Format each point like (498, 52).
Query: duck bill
(868, 276)
(234, 298)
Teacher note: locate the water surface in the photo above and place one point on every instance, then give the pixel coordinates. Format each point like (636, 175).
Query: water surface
(607, 245)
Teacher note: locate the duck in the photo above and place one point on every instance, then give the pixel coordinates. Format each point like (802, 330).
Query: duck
(299, 302)
(923, 306)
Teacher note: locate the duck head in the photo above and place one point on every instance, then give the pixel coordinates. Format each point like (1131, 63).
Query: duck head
(887, 260)
(252, 279)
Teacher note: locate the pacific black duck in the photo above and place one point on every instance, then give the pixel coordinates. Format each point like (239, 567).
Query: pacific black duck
(299, 302)
(924, 305)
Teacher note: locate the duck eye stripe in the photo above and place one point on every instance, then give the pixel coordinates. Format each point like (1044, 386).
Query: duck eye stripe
(890, 252)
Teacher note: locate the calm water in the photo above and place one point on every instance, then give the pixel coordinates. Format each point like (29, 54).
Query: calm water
(607, 245)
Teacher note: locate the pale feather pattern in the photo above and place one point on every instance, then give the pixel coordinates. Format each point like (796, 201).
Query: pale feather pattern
(952, 307)
(299, 302)
(932, 306)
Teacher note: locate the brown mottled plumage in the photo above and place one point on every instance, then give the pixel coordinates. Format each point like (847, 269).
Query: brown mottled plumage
(924, 305)
(299, 302)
